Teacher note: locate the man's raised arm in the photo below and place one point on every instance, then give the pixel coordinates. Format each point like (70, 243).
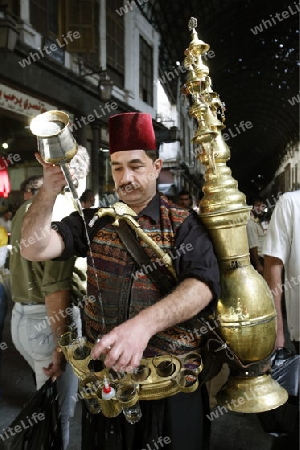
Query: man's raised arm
(38, 241)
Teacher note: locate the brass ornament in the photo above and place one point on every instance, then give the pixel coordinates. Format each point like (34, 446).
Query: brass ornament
(245, 311)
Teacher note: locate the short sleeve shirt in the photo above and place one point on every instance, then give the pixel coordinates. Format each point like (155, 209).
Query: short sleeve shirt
(200, 263)
(283, 242)
(32, 280)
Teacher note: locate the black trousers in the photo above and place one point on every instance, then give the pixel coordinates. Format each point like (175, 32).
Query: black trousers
(181, 419)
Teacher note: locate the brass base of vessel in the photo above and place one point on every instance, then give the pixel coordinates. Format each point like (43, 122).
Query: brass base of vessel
(244, 394)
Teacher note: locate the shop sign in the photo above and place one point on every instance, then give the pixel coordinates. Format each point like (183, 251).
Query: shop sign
(20, 103)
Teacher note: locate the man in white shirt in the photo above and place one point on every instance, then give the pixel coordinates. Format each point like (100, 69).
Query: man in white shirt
(282, 251)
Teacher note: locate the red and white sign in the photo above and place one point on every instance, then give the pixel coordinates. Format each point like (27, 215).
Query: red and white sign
(21, 103)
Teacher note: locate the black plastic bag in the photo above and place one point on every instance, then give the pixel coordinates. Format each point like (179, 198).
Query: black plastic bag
(37, 426)
(285, 370)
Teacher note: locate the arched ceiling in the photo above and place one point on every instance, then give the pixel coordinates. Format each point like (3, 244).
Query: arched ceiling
(254, 72)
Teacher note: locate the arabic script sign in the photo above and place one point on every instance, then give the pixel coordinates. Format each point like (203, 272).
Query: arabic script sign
(21, 103)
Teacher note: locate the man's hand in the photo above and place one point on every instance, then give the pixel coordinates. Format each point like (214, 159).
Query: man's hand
(55, 303)
(37, 220)
(57, 367)
(54, 179)
(280, 340)
(123, 346)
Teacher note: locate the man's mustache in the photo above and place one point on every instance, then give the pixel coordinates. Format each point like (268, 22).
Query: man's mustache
(128, 187)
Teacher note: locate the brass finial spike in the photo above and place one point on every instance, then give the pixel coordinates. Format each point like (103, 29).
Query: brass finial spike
(192, 23)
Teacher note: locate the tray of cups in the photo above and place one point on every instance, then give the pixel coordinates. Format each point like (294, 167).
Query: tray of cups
(158, 377)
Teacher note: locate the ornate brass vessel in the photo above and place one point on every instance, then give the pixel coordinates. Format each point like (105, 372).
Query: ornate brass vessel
(245, 310)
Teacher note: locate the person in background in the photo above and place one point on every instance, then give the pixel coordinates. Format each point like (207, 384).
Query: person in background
(5, 220)
(137, 319)
(43, 300)
(282, 254)
(30, 187)
(87, 199)
(3, 246)
(185, 199)
(3, 295)
(256, 233)
(282, 273)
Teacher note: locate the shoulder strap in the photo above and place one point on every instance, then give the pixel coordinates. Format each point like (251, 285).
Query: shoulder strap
(142, 259)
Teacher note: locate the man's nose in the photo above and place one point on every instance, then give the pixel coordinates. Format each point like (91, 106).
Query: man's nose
(127, 176)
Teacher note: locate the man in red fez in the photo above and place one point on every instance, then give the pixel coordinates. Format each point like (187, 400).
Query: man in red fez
(141, 310)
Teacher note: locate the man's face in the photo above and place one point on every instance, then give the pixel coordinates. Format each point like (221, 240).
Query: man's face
(135, 176)
(258, 207)
(27, 195)
(185, 201)
(8, 215)
(90, 201)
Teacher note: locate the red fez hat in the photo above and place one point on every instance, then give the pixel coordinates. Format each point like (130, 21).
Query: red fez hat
(131, 131)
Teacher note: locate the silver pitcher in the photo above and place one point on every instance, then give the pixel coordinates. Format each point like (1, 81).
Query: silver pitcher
(56, 143)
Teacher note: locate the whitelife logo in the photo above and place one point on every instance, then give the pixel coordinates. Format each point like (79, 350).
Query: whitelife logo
(6, 161)
(279, 17)
(48, 49)
(292, 101)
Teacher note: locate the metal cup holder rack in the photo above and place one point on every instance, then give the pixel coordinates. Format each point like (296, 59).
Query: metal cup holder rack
(155, 378)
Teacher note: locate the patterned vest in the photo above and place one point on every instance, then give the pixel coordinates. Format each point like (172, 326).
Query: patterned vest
(125, 289)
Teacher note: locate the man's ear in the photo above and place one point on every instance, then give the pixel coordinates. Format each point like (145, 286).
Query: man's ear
(158, 165)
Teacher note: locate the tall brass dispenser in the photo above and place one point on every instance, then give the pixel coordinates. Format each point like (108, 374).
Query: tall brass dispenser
(245, 311)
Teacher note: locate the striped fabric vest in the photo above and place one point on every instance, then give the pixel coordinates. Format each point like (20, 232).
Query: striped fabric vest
(125, 289)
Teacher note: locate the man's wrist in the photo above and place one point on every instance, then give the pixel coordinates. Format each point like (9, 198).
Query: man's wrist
(147, 322)
(47, 195)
